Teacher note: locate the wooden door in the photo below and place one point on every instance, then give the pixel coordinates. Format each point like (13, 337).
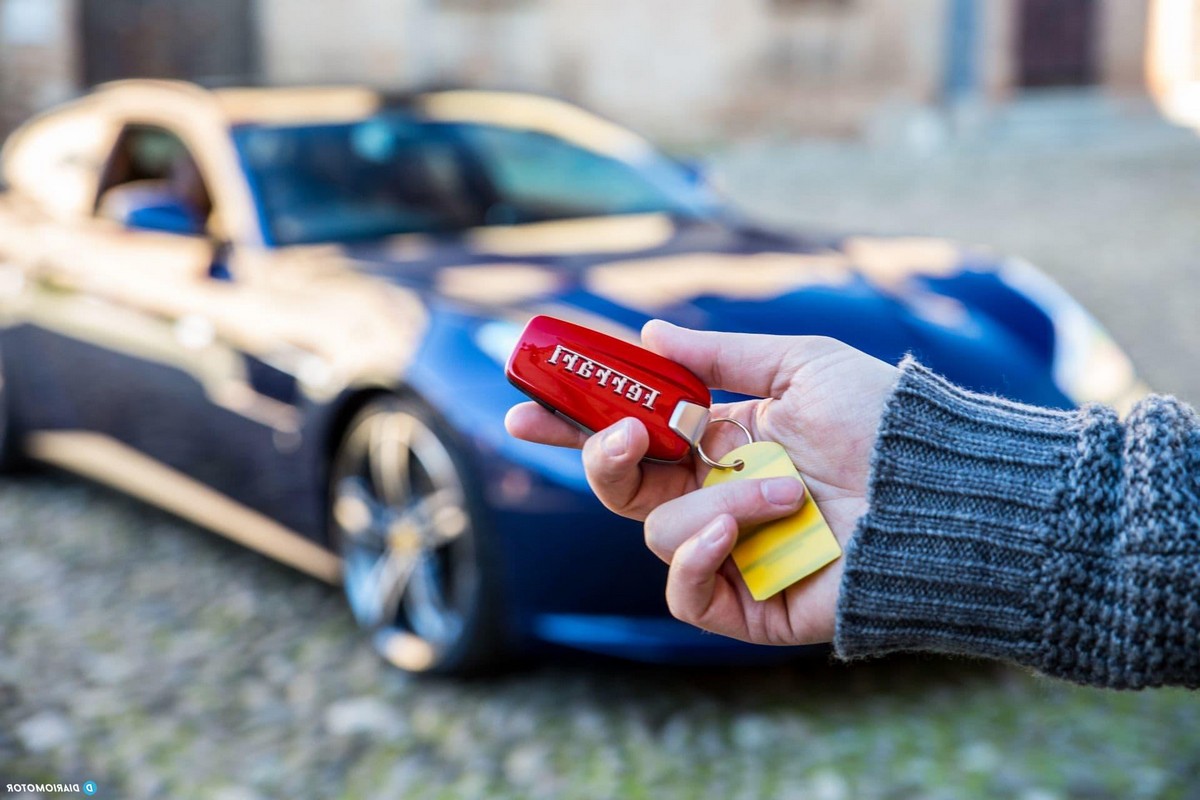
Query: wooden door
(1056, 42)
(212, 39)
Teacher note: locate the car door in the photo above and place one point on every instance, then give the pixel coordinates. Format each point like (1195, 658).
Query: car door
(147, 344)
(124, 313)
(107, 304)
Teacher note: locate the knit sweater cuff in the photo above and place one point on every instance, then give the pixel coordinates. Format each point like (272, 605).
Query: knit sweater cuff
(962, 493)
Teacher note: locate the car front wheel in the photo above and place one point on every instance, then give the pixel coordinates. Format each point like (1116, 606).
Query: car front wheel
(418, 571)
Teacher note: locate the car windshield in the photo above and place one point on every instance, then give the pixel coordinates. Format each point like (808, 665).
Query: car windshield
(394, 174)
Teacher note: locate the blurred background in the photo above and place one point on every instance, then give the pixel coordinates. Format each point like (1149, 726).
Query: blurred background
(1059, 130)
(676, 70)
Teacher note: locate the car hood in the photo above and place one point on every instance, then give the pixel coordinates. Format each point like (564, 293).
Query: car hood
(950, 307)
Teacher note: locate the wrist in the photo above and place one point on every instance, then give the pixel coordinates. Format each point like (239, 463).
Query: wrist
(962, 490)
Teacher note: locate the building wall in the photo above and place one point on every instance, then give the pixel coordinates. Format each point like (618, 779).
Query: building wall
(1173, 59)
(679, 68)
(37, 57)
(1124, 37)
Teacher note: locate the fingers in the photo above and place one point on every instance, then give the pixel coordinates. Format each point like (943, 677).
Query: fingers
(611, 459)
(753, 364)
(696, 594)
(531, 422)
(749, 503)
(625, 485)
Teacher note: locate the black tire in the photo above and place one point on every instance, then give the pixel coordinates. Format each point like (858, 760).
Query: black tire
(11, 458)
(407, 518)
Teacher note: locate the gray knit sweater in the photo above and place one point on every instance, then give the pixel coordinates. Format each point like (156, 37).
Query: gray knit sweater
(1067, 541)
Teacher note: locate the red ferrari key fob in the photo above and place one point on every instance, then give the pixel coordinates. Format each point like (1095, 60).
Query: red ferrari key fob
(593, 380)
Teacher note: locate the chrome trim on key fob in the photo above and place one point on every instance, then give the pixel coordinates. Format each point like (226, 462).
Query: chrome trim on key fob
(689, 421)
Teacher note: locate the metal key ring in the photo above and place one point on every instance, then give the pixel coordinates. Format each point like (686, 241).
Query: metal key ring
(737, 464)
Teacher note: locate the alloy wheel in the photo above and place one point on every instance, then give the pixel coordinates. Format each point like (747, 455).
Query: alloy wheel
(408, 545)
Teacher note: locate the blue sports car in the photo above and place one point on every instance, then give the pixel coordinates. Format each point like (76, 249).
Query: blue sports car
(284, 314)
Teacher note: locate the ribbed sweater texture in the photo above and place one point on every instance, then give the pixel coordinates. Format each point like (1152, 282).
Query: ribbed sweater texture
(1065, 541)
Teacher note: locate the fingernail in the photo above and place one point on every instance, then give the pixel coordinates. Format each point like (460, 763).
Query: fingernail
(782, 491)
(616, 441)
(713, 534)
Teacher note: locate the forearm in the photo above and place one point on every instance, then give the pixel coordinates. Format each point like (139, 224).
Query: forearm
(1064, 541)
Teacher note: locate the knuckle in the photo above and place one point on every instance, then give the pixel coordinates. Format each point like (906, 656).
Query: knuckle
(616, 497)
(740, 498)
(602, 471)
(679, 611)
(609, 500)
(599, 474)
(591, 452)
(652, 529)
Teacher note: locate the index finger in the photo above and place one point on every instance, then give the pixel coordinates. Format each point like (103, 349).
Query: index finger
(531, 422)
(748, 363)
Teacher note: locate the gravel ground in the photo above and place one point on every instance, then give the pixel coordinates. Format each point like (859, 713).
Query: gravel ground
(160, 661)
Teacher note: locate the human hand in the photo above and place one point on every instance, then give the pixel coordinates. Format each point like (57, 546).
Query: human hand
(821, 399)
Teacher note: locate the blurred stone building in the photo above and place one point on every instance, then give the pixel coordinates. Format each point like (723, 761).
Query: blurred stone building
(682, 70)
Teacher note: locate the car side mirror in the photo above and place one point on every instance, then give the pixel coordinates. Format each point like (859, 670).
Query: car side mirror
(166, 216)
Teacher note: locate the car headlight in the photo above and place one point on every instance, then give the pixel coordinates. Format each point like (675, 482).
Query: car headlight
(497, 338)
(1089, 367)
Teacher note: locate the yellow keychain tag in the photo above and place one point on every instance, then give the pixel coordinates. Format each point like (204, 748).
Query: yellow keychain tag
(776, 554)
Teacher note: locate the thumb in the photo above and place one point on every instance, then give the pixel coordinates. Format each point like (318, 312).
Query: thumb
(748, 363)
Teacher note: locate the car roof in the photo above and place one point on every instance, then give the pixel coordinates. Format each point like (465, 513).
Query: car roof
(305, 105)
(239, 105)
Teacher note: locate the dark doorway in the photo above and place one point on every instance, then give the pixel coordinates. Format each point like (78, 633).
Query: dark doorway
(212, 39)
(1056, 42)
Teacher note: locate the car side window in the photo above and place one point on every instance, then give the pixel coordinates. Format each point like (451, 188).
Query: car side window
(152, 182)
(539, 176)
